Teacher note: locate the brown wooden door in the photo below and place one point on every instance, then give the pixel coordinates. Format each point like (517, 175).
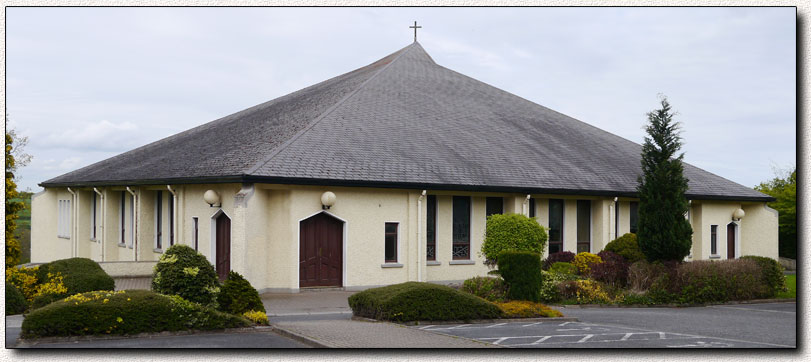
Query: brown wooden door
(731, 241)
(223, 262)
(321, 252)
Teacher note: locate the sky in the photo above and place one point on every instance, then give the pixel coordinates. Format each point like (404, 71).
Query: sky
(85, 84)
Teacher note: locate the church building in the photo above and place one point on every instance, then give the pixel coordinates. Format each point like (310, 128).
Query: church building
(382, 175)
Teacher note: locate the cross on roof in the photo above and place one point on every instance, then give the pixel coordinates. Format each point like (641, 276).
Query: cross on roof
(415, 27)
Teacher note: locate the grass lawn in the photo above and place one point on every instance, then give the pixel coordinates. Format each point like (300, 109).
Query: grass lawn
(791, 283)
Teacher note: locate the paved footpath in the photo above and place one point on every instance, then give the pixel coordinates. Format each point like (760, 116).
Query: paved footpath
(345, 333)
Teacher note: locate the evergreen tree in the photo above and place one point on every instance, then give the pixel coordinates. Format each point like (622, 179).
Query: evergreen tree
(784, 189)
(664, 233)
(13, 251)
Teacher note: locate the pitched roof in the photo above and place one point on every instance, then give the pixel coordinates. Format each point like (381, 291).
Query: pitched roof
(402, 121)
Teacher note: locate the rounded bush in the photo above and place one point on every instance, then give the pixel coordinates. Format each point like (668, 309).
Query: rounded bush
(124, 313)
(525, 309)
(488, 288)
(612, 271)
(521, 271)
(559, 257)
(187, 273)
(79, 275)
(237, 296)
(511, 232)
(15, 300)
(563, 268)
(583, 261)
(772, 274)
(413, 301)
(627, 247)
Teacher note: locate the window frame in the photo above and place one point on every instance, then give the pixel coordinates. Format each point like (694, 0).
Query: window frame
(430, 219)
(714, 240)
(63, 219)
(562, 225)
(396, 235)
(454, 242)
(132, 221)
(93, 210)
(170, 204)
(531, 205)
(633, 217)
(487, 205)
(158, 220)
(579, 238)
(122, 219)
(195, 221)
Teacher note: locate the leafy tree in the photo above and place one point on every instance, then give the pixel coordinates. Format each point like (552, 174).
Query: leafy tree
(13, 251)
(784, 189)
(511, 232)
(664, 234)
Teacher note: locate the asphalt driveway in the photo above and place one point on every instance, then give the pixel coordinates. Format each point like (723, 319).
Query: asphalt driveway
(770, 325)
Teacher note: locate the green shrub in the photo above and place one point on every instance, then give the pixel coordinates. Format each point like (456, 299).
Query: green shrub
(420, 301)
(79, 275)
(563, 268)
(123, 313)
(627, 247)
(511, 232)
(612, 271)
(15, 300)
(706, 281)
(584, 260)
(772, 274)
(643, 276)
(187, 273)
(549, 286)
(521, 271)
(45, 299)
(637, 299)
(488, 288)
(237, 296)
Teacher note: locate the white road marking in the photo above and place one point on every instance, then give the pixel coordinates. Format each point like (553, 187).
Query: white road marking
(502, 339)
(495, 325)
(428, 326)
(541, 340)
(626, 336)
(531, 324)
(586, 338)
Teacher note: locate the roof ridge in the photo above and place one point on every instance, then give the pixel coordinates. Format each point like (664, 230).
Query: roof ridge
(329, 110)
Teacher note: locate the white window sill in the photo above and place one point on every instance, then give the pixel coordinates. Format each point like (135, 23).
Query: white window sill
(156, 250)
(433, 262)
(63, 237)
(715, 256)
(461, 262)
(122, 245)
(391, 265)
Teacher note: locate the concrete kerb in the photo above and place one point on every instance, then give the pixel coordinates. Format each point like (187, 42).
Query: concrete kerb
(300, 338)
(675, 305)
(30, 342)
(475, 321)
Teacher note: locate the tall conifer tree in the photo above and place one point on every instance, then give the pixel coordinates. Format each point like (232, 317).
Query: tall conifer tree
(664, 233)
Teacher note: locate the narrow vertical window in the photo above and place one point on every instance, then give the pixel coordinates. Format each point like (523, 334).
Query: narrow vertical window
(158, 219)
(430, 233)
(123, 217)
(714, 239)
(391, 242)
(555, 226)
(495, 205)
(194, 234)
(616, 219)
(171, 219)
(63, 219)
(461, 227)
(583, 226)
(93, 215)
(634, 216)
(532, 207)
(132, 220)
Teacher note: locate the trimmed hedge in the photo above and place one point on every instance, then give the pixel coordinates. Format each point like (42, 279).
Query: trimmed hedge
(563, 268)
(488, 288)
(124, 313)
(237, 296)
(183, 271)
(521, 271)
(627, 247)
(413, 301)
(15, 300)
(511, 232)
(772, 274)
(706, 281)
(559, 257)
(79, 275)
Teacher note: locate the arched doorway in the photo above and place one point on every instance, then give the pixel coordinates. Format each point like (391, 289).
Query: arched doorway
(321, 251)
(731, 235)
(222, 252)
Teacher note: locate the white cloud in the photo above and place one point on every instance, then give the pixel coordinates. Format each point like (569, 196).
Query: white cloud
(101, 135)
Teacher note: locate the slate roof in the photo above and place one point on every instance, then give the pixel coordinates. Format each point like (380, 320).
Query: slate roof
(402, 121)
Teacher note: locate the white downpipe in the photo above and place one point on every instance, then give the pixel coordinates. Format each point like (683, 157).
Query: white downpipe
(73, 232)
(612, 214)
(134, 216)
(525, 205)
(103, 219)
(419, 241)
(173, 231)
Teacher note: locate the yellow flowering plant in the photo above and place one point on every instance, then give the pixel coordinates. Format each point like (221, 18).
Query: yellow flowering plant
(25, 279)
(256, 317)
